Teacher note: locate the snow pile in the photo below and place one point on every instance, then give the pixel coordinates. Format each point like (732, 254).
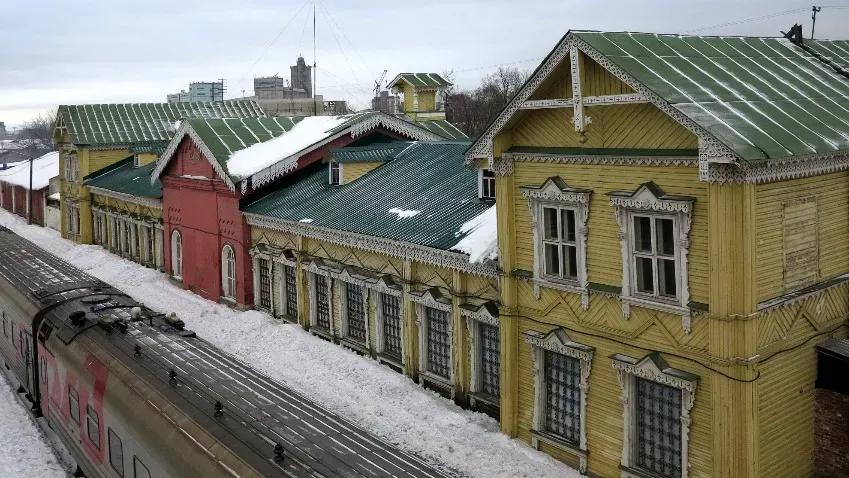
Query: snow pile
(306, 219)
(481, 237)
(257, 157)
(372, 396)
(404, 213)
(43, 169)
(26, 453)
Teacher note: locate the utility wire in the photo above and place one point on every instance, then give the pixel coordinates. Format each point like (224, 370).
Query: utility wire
(345, 36)
(338, 43)
(746, 20)
(272, 42)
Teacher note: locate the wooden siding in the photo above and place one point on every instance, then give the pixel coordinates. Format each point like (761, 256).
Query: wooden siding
(352, 171)
(147, 158)
(604, 252)
(99, 159)
(831, 192)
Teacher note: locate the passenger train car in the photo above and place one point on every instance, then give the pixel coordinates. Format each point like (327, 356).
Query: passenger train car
(132, 393)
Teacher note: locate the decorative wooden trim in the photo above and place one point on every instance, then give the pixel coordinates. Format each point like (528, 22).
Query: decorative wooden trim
(558, 341)
(389, 247)
(421, 303)
(652, 367)
(343, 311)
(714, 170)
(187, 130)
(601, 159)
(588, 101)
(139, 200)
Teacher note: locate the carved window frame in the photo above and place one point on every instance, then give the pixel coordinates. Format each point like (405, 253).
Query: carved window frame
(387, 287)
(489, 181)
(651, 367)
(316, 268)
(343, 280)
(287, 259)
(650, 200)
(228, 256)
(558, 341)
(433, 299)
(555, 193)
(486, 313)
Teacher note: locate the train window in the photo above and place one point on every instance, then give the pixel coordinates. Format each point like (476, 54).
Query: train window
(93, 426)
(116, 453)
(5, 325)
(139, 470)
(74, 404)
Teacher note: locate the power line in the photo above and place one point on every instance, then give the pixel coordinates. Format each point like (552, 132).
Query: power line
(272, 42)
(339, 44)
(345, 36)
(746, 20)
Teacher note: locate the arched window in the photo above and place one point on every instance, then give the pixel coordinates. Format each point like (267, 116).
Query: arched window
(176, 254)
(228, 271)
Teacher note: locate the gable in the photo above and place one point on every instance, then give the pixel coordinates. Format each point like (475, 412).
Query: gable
(190, 162)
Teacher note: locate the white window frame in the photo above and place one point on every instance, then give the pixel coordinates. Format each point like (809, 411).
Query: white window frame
(337, 166)
(314, 271)
(159, 244)
(256, 256)
(558, 341)
(342, 287)
(474, 317)
(649, 200)
(555, 193)
(488, 181)
(384, 287)
(651, 367)
(228, 283)
(177, 254)
(433, 299)
(284, 294)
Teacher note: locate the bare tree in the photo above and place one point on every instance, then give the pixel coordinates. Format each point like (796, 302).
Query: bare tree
(37, 133)
(472, 110)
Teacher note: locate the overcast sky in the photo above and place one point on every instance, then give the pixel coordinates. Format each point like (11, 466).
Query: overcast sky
(106, 51)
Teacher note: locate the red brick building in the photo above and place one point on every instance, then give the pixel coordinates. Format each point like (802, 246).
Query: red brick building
(211, 164)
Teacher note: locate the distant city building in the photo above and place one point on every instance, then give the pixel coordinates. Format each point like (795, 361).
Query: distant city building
(2, 131)
(386, 103)
(301, 75)
(200, 91)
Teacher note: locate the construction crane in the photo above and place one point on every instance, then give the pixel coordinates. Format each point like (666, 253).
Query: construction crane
(377, 84)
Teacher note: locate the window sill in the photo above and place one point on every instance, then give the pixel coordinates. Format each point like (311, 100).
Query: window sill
(655, 305)
(321, 332)
(390, 360)
(485, 398)
(287, 318)
(437, 380)
(558, 442)
(355, 345)
(228, 301)
(628, 472)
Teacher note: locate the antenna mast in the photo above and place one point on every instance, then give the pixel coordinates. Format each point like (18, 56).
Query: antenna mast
(815, 10)
(314, 65)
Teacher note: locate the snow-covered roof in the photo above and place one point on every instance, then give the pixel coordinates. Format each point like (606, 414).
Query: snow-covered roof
(44, 168)
(480, 240)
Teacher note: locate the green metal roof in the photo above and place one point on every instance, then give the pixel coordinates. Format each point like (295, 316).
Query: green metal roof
(368, 154)
(123, 124)
(154, 147)
(428, 177)
(761, 97)
(421, 80)
(224, 137)
(442, 128)
(836, 51)
(124, 177)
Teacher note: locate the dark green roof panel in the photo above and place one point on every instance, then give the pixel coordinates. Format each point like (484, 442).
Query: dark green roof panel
(368, 154)
(124, 177)
(428, 177)
(761, 97)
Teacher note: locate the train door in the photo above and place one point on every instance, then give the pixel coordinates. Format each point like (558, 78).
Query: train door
(26, 350)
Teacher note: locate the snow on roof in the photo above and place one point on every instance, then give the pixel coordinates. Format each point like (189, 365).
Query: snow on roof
(255, 158)
(481, 240)
(404, 213)
(44, 168)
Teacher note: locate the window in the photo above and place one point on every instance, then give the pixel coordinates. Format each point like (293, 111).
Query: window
(148, 236)
(335, 173)
(355, 315)
(136, 240)
(655, 271)
(228, 271)
(561, 370)
(127, 238)
(560, 248)
(116, 453)
(291, 290)
(438, 342)
(176, 254)
(322, 302)
(73, 219)
(136, 162)
(264, 283)
(559, 217)
(5, 325)
(93, 426)
(116, 234)
(391, 316)
(486, 184)
(74, 404)
(654, 229)
(139, 470)
(490, 350)
(658, 402)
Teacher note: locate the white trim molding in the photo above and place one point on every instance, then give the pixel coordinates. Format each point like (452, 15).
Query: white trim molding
(380, 335)
(433, 299)
(475, 315)
(555, 193)
(140, 200)
(345, 280)
(187, 130)
(558, 341)
(316, 268)
(651, 367)
(599, 100)
(650, 199)
(390, 247)
(257, 252)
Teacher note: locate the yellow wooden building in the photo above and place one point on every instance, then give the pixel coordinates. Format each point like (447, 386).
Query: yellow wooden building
(92, 137)
(673, 243)
(391, 258)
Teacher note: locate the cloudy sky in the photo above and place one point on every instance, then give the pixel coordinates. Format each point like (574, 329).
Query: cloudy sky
(105, 51)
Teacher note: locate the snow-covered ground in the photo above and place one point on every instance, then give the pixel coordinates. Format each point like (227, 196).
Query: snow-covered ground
(26, 451)
(384, 402)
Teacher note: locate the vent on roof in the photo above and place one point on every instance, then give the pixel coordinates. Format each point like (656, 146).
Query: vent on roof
(77, 317)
